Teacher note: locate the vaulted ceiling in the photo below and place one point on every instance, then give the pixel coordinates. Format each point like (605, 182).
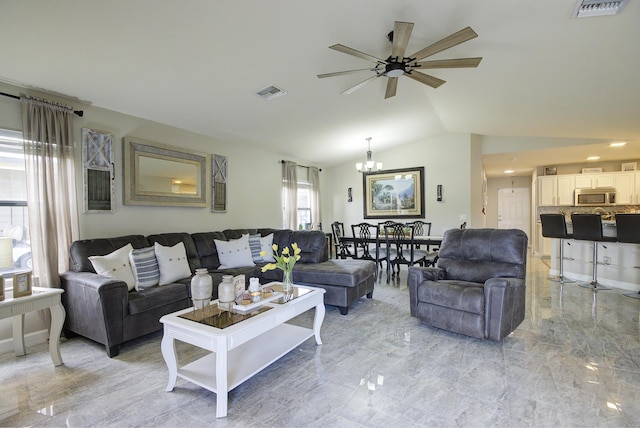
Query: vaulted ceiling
(197, 65)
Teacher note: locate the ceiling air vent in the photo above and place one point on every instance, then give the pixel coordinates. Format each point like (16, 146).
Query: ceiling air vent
(271, 92)
(587, 8)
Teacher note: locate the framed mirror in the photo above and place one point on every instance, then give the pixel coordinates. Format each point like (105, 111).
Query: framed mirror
(162, 175)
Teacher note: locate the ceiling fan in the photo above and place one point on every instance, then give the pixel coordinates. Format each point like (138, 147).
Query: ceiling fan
(397, 64)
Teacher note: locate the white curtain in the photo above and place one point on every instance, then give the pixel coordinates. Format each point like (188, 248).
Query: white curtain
(49, 162)
(290, 195)
(314, 183)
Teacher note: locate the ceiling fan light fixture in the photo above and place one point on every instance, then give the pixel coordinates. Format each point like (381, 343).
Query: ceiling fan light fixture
(394, 69)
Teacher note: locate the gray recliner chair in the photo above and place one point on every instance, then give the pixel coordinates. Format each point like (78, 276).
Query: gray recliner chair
(478, 286)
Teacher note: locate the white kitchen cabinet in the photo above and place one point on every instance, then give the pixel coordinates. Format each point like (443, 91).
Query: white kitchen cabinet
(547, 190)
(592, 181)
(625, 184)
(558, 190)
(565, 186)
(584, 181)
(605, 180)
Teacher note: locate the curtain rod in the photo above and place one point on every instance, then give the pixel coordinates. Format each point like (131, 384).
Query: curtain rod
(77, 112)
(302, 166)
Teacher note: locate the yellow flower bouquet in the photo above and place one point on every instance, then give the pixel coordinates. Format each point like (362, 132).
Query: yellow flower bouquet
(285, 262)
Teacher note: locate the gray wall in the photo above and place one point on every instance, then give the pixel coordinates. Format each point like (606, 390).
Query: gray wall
(253, 187)
(446, 160)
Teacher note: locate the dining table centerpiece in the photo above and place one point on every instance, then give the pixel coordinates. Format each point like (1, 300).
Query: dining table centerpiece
(285, 261)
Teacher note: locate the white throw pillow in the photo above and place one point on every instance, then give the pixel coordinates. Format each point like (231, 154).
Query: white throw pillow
(266, 243)
(115, 265)
(172, 262)
(234, 253)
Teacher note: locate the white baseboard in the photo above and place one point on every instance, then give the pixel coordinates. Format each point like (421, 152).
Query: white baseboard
(30, 339)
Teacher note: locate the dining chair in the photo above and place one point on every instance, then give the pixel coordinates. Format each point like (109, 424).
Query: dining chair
(401, 248)
(343, 249)
(367, 244)
(423, 228)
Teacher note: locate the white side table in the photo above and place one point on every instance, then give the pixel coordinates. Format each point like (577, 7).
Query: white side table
(41, 298)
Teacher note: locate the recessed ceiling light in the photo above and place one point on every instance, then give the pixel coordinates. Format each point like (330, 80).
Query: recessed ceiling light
(593, 158)
(620, 144)
(508, 171)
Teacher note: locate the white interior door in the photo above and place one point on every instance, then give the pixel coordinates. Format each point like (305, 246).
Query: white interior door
(514, 209)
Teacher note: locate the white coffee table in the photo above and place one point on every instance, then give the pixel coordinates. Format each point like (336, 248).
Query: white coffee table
(241, 350)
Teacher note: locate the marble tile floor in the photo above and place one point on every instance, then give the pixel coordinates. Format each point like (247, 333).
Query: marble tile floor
(574, 361)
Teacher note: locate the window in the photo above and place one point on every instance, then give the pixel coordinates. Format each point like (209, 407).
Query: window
(14, 221)
(304, 205)
(308, 211)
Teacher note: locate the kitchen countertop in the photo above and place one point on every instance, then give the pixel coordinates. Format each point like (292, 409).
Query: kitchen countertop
(608, 228)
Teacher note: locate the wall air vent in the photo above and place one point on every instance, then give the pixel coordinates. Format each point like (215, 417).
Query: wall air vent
(587, 8)
(271, 92)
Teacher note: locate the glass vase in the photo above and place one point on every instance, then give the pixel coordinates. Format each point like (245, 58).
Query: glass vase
(201, 289)
(287, 286)
(226, 293)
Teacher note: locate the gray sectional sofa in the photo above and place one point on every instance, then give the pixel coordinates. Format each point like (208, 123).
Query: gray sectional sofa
(104, 310)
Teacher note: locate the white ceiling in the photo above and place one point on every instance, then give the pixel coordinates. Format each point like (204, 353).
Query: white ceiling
(198, 64)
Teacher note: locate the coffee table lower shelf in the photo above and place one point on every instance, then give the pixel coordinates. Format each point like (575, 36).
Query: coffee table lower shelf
(247, 359)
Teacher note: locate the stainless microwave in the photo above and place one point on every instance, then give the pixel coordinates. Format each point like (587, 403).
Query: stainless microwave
(594, 197)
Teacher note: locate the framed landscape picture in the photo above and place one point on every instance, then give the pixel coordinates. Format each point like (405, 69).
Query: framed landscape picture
(395, 193)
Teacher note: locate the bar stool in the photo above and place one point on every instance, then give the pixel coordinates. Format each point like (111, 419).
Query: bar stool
(555, 226)
(588, 227)
(628, 231)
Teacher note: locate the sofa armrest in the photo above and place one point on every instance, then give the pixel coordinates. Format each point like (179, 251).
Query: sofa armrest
(91, 280)
(96, 306)
(418, 275)
(504, 306)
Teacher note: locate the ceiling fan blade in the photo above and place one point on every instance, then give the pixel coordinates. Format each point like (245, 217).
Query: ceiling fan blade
(446, 43)
(359, 85)
(349, 51)
(401, 34)
(434, 82)
(392, 85)
(451, 63)
(340, 73)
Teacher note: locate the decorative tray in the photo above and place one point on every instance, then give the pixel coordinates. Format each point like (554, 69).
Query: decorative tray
(246, 308)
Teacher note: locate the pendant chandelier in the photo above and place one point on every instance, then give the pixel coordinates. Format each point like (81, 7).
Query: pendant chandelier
(368, 165)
